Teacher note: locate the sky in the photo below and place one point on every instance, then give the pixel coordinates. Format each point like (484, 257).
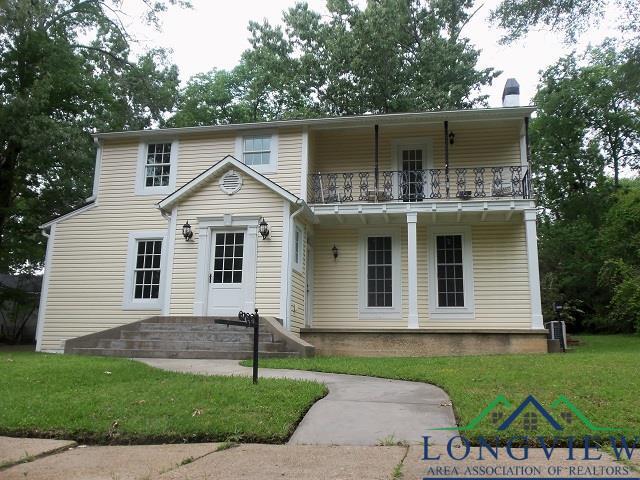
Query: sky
(213, 34)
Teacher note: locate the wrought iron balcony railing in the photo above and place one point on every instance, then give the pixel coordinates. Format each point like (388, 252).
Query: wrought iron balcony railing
(421, 185)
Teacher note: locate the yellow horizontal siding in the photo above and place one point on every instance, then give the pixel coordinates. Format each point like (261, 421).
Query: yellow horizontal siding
(88, 261)
(253, 199)
(476, 144)
(501, 286)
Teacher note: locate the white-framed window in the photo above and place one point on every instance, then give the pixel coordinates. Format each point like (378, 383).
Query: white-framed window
(298, 247)
(146, 271)
(259, 151)
(157, 164)
(380, 274)
(451, 273)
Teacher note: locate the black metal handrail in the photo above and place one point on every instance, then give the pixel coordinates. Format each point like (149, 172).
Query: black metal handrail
(511, 181)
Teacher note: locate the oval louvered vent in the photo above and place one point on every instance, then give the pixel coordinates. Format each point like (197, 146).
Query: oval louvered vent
(230, 182)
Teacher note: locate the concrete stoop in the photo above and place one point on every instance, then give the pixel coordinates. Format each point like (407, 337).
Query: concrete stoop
(189, 337)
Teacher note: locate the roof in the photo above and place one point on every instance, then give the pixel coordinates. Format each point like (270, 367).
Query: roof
(73, 212)
(500, 113)
(229, 160)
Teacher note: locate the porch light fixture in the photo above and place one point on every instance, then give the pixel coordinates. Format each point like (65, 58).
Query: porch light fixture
(187, 233)
(263, 228)
(335, 252)
(452, 137)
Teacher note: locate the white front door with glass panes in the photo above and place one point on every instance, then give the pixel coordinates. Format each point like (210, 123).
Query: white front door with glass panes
(230, 252)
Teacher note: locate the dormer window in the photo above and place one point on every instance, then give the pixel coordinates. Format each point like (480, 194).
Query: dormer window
(156, 168)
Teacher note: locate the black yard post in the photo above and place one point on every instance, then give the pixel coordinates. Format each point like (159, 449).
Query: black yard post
(256, 342)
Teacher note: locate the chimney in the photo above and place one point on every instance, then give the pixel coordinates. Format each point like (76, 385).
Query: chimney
(511, 93)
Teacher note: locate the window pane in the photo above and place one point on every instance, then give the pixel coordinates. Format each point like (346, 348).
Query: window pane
(450, 279)
(379, 272)
(147, 269)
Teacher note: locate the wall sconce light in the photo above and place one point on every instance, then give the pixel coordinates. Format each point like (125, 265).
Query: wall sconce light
(452, 137)
(263, 228)
(335, 252)
(187, 233)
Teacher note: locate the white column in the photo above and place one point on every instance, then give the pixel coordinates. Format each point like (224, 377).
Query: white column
(412, 269)
(534, 273)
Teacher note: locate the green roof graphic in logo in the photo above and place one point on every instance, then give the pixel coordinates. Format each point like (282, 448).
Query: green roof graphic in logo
(560, 401)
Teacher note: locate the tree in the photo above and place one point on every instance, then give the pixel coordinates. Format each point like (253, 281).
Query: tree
(586, 122)
(65, 70)
(391, 56)
(210, 99)
(586, 128)
(570, 17)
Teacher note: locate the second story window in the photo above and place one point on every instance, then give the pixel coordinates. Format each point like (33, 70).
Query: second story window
(158, 166)
(259, 151)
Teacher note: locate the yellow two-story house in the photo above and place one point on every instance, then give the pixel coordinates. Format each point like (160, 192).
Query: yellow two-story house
(397, 234)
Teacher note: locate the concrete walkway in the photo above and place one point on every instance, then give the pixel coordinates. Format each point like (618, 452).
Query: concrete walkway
(357, 411)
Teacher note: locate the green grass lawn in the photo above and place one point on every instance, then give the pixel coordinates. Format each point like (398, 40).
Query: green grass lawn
(108, 400)
(601, 378)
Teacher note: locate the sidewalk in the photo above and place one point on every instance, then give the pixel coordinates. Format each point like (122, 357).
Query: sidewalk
(266, 462)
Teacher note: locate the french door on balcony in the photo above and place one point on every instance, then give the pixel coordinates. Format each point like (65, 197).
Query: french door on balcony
(412, 163)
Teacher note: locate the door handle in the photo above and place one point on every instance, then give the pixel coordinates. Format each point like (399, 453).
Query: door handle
(209, 278)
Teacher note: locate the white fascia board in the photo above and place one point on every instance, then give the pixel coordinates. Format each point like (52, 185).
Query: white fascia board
(422, 207)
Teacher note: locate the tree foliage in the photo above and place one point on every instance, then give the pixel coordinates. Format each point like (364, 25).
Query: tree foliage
(65, 71)
(585, 133)
(391, 56)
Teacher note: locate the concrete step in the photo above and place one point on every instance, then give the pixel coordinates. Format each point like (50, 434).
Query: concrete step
(195, 327)
(212, 336)
(205, 354)
(187, 345)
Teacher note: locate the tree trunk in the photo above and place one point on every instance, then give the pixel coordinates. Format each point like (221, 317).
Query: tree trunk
(8, 164)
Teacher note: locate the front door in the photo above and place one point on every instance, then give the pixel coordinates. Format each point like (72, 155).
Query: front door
(228, 292)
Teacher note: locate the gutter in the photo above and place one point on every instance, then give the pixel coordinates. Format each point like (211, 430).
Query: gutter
(301, 208)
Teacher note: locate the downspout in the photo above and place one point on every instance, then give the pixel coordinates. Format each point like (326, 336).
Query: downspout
(300, 204)
(526, 142)
(446, 156)
(376, 171)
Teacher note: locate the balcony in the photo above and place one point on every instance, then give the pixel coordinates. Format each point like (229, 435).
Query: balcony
(480, 183)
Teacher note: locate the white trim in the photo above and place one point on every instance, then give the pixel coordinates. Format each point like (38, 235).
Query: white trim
(204, 176)
(171, 243)
(284, 278)
(308, 285)
(141, 188)
(530, 218)
(272, 166)
(426, 143)
(523, 146)
(128, 302)
(298, 265)
(97, 171)
(68, 215)
(394, 312)
(412, 269)
(44, 291)
(452, 313)
(304, 163)
(206, 227)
